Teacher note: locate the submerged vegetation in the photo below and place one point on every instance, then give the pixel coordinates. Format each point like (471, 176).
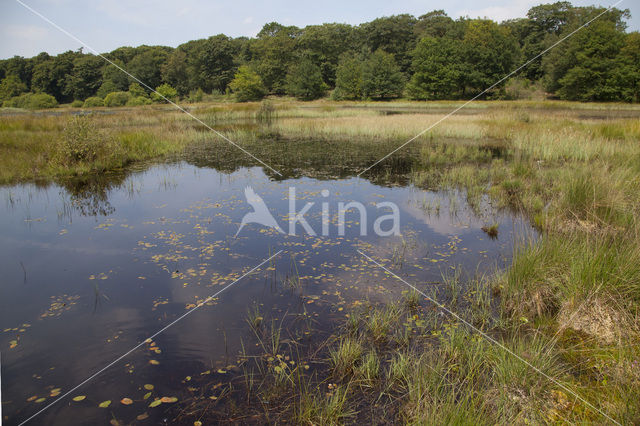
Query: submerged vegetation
(565, 311)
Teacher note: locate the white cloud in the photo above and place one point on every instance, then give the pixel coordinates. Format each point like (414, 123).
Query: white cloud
(31, 33)
(516, 9)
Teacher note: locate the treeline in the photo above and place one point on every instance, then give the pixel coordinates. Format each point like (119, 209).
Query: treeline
(429, 57)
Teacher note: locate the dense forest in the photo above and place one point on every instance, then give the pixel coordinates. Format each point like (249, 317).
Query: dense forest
(429, 57)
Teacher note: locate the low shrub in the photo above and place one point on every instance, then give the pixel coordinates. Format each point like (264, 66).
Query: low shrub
(31, 101)
(116, 99)
(93, 102)
(139, 100)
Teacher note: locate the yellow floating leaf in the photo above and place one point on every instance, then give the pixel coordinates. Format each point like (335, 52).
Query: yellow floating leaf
(148, 387)
(154, 362)
(39, 400)
(155, 403)
(126, 401)
(104, 404)
(79, 398)
(169, 399)
(147, 395)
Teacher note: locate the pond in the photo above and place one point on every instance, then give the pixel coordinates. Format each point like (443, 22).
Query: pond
(92, 268)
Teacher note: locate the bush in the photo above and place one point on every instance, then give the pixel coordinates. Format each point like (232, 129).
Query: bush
(93, 102)
(77, 103)
(107, 87)
(137, 91)
(247, 85)
(117, 99)
(165, 90)
(80, 141)
(31, 101)
(139, 100)
(196, 95)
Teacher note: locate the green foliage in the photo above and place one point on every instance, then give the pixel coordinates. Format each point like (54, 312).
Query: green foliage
(166, 91)
(489, 53)
(81, 140)
(247, 85)
(273, 51)
(381, 77)
(147, 65)
(304, 81)
(31, 101)
(93, 101)
(139, 100)
(77, 103)
(116, 99)
(439, 57)
(135, 90)
(348, 79)
(85, 77)
(107, 87)
(11, 86)
(438, 70)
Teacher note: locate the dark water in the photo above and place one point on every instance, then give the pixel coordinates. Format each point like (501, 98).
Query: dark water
(91, 269)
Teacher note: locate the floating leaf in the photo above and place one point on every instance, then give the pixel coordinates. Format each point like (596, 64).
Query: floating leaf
(147, 395)
(221, 371)
(155, 403)
(148, 387)
(154, 362)
(126, 401)
(169, 399)
(79, 398)
(32, 398)
(104, 404)
(39, 400)
(197, 423)
(142, 416)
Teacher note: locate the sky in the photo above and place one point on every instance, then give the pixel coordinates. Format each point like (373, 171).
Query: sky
(105, 25)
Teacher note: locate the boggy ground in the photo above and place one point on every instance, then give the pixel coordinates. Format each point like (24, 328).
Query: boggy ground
(568, 305)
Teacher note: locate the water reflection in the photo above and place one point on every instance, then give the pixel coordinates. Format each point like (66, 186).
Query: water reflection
(92, 267)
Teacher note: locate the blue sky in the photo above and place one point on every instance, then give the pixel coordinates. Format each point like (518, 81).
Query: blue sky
(107, 24)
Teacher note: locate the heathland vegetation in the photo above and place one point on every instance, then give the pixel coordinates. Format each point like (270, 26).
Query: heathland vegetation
(429, 57)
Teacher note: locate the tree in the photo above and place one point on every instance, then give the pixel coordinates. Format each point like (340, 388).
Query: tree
(213, 64)
(348, 78)
(324, 44)
(593, 53)
(147, 65)
(393, 34)
(175, 71)
(438, 69)
(273, 54)
(247, 85)
(304, 81)
(381, 76)
(85, 78)
(11, 86)
(490, 52)
(434, 24)
(626, 74)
